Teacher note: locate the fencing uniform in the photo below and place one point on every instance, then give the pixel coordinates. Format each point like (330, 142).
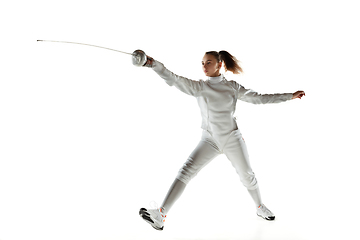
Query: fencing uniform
(217, 99)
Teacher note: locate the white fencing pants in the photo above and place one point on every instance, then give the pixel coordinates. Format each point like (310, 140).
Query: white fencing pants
(232, 145)
(209, 147)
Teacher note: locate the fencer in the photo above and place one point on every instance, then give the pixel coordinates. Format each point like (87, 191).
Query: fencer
(217, 98)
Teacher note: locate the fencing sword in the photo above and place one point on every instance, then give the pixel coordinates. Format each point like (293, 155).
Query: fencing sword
(138, 56)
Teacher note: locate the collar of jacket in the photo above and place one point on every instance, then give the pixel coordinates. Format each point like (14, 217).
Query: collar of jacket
(216, 79)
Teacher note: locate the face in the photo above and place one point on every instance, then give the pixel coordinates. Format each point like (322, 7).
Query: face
(211, 66)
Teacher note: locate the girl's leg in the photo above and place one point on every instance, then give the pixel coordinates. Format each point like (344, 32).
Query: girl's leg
(236, 152)
(205, 151)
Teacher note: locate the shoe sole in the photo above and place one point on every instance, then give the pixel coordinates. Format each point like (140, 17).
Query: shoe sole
(267, 218)
(146, 216)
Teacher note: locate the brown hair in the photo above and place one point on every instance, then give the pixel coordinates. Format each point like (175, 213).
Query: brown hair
(230, 62)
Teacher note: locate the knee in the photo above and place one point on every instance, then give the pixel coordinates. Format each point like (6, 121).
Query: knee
(188, 171)
(249, 181)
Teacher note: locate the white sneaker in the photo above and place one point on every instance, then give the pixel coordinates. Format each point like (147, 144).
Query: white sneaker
(265, 213)
(154, 217)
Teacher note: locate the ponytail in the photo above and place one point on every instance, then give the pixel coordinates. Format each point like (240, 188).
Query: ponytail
(230, 62)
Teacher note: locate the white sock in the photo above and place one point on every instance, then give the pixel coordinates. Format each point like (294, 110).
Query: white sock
(175, 191)
(255, 194)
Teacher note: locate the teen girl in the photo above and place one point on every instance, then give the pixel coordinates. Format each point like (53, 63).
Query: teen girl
(217, 99)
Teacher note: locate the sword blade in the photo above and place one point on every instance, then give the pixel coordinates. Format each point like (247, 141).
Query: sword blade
(86, 45)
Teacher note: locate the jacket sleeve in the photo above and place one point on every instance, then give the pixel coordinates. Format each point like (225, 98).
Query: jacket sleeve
(185, 85)
(251, 96)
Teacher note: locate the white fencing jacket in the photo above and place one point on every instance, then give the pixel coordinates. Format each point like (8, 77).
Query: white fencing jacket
(217, 98)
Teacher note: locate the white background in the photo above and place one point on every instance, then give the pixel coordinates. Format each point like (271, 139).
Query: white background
(87, 139)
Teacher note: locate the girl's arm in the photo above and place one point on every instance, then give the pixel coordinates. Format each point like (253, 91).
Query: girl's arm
(185, 85)
(251, 96)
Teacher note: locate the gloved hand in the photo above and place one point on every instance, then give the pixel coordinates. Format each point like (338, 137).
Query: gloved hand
(149, 62)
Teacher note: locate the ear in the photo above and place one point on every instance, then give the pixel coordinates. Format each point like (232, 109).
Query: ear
(220, 64)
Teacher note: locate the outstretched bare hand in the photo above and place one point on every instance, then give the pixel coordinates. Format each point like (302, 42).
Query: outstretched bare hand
(298, 94)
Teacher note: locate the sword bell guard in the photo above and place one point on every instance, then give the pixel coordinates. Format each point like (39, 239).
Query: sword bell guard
(139, 58)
